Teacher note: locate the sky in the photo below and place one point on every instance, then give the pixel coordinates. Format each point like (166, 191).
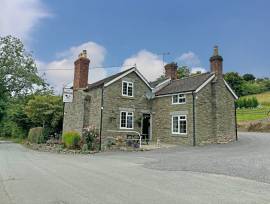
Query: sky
(122, 33)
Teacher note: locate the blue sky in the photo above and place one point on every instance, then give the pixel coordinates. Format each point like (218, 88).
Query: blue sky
(128, 31)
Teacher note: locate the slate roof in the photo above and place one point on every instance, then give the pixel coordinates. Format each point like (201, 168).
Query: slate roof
(184, 85)
(107, 79)
(153, 84)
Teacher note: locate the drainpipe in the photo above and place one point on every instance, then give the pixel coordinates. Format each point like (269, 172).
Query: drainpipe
(194, 124)
(101, 117)
(235, 119)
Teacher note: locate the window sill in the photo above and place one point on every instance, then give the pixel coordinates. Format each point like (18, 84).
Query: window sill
(179, 135)
(126, 128)
(128, 97)
(178, 103)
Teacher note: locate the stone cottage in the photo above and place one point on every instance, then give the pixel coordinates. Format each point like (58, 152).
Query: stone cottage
(193, 110)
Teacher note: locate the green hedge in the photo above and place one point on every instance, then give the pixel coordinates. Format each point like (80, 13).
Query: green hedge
(71, 139)
(36, 135)
(247, 102)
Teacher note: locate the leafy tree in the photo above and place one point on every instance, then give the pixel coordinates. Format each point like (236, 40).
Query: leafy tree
(249, 77)
(183, 71)
(46, 111)
(252, 88)
(18, 71)
(235, 81)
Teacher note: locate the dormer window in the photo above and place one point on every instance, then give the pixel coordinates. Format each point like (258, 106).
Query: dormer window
(127, 88)
(178, 99)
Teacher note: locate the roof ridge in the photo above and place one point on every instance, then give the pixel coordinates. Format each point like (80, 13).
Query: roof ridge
(195, 75)
(112, 75)
(185, 84)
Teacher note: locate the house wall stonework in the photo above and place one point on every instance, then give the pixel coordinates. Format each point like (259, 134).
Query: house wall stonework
(163, 109)
(224, 105)
(204, 111)
(73, 113)
(84, 111)
(114, 102)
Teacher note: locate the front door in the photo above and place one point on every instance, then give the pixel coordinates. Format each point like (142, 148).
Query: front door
(146, 127)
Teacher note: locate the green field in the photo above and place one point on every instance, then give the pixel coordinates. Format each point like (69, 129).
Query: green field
(257, 113)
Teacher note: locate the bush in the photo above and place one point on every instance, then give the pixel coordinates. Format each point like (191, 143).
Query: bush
(247, 103)
(90, 136)
(36, 135)
(120, 141)
(71, 139)
(109, 142)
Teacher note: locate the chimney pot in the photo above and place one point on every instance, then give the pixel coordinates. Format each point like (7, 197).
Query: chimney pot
(216, 62)
(171, 71)
(81, 70)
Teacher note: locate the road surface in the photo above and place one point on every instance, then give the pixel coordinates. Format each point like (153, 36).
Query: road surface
(231, 173)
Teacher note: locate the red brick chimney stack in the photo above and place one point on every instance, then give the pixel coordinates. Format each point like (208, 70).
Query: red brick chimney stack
(216, 62)
(171, 71)
(81, 71)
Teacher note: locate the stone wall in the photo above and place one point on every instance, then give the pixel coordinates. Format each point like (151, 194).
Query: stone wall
(73, 113)
(114, 102)
(224, 112)
(205, 116)
(84, 111)
(162, 109)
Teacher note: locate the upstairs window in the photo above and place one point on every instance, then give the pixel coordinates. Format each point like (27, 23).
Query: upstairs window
(127, 88)
(179, 99)
(126, 120)
(179, 124)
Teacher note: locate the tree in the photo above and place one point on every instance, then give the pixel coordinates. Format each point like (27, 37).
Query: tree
(18, 71)
(183, 71)
(249, 77)
(235, 81)
(46, 111)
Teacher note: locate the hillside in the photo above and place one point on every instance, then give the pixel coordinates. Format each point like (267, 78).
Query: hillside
(257, 113)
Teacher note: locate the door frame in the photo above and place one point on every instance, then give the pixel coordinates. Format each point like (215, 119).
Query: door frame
(150, 124)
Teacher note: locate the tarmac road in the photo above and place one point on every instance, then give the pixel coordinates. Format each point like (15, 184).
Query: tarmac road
(238, 172)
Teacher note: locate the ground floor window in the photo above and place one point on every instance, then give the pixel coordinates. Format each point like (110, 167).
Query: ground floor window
(179, 124)
(126, 120)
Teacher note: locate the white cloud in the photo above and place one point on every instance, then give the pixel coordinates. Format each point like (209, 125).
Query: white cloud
(198, 69)
(191, 60)
(19, 17)
(148, 63)
(59, 78)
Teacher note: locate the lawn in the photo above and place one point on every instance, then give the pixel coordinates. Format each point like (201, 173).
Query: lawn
(257, 113)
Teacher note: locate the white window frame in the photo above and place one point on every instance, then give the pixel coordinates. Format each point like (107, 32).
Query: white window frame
(132, 114)
(129, 83)
(178, 120)
(178, 97)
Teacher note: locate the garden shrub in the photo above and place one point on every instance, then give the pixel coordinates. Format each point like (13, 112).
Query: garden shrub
(109, 142)
(71, 139)
(36, 135)
(120, 141)
(84, 148)
(90, 136)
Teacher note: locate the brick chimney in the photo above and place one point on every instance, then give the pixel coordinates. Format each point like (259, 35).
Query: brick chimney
(216, 62)
(81, 71)
(171, 71)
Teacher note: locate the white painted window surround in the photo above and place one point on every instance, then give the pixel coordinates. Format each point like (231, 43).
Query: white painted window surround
(127, 88)
(178, 98)
(126, 120)
(179, 124)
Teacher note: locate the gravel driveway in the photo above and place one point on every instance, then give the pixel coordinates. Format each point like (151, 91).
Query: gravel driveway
(238, 172)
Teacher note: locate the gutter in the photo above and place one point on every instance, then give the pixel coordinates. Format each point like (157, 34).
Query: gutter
(235, 119)
(101, 117)
(194, 118)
